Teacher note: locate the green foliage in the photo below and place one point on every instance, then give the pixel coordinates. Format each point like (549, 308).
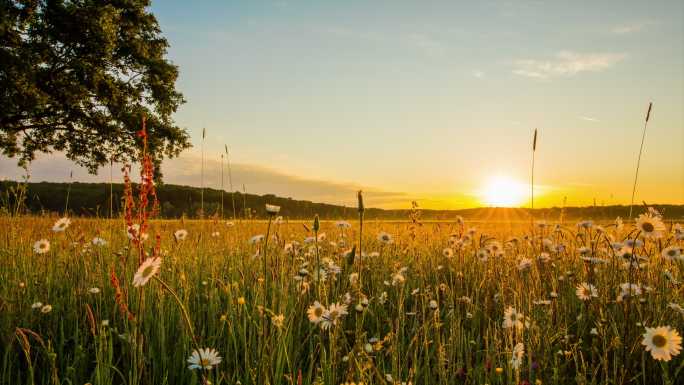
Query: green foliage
(78, 76)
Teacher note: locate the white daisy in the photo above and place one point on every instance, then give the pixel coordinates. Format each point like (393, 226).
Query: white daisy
(180, 235)
(334, 313)
(46, 309)
(315, 313)
(586, 291)
(663, 342)
(42, 246)
(256, 239)
(204, 359)
(94, 290)
(146, 271)
(133, 232)
(272, 209)
(97, 241)
(514, 319)
(672, 253)
(517, 356)
(650, 226)
(385, 237)
(36, 305)
(61, 225)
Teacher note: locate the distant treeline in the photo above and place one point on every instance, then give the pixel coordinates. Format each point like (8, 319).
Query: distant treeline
(95, 199)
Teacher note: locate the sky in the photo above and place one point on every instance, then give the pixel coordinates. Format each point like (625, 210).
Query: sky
(434, 101)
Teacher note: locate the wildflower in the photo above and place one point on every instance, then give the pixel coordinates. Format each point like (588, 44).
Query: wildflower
(230, 224)
(385, 238)
(46, 309)
(672, 253)
(383, 298)
(593, 331)
(256, 239)
(398, 279)
(650, 226)
(483, 255)
(180, 235)
(448, 252)
(586, 224)
(61, 225)
(585, 291)
(498, 370)
(433, 305)
(333, 314)
(512, 318)
(272, 209)
(215, 234)
(146, 270)
(278, 320)
(42, 246)
(241, 301)
(97, 241)
(133, 232)
(663, 342)
(524, 264)
(676, 307)
(517, 356)
(629, 290)
(343, 225)
(36, 305)
(315, 313)
(94, 290)
(353, 278)
(204, 359)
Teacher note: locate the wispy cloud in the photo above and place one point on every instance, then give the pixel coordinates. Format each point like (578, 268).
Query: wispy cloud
(589, 119)
(186, 170)
(633, 27)
(566, 63)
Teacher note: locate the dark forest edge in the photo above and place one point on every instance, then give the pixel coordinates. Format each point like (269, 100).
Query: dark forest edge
(175, 201)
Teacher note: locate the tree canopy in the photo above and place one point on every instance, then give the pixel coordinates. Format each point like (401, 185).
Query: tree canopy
(77, 76)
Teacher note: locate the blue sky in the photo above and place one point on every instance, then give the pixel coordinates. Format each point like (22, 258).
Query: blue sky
(430, 100)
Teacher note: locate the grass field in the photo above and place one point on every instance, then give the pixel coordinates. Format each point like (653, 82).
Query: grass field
(433, 303)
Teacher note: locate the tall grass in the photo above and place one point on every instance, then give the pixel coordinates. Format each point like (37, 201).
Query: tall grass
(210, 293)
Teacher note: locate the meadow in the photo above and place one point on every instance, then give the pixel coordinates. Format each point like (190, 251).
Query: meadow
(324, 302)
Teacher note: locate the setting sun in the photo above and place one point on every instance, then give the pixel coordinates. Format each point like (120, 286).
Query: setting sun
(501, 191)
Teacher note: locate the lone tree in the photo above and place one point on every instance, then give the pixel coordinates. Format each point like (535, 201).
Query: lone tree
(77, 76)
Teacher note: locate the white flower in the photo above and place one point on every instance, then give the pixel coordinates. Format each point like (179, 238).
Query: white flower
(46, 309)
(650, 226)
(672, 253)
(256, 239)
(385, 237)
(146, 271)
(97, 241)
(517, 356)
(585, 291)
(215, 234)
(133, 232)
(230, 224)
(204, 359)
(61, 225)
(315, 312)
(334, 313)
(36, 305)
(433, 304)
(180, 234)
(343, 225)
(514, 319)
(448, 252)
(524, 264)
(42, 246)
(272, 209)
(94, 290)
(663, 342)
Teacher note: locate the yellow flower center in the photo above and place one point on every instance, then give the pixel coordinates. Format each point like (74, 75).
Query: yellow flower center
(647, 227)
(318, 312)
(148, 271)
(204, 362)
(659, 340)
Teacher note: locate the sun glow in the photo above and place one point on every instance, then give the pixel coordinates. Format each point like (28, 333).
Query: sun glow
(501, 191)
